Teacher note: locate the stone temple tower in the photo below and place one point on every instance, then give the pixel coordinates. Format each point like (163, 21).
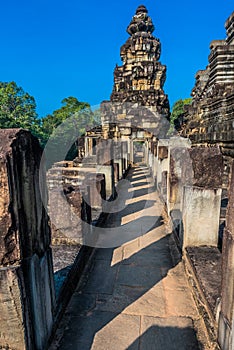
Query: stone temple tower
(138, 100)
(141, 77)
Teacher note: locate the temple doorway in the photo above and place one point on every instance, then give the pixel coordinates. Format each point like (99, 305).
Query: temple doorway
(138, 152)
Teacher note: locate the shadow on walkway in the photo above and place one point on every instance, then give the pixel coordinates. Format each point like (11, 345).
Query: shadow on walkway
(121, 303)
(167, 338)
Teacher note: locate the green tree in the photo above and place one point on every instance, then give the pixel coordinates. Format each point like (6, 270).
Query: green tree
(79, 118)
(17, 108)
(178, 112)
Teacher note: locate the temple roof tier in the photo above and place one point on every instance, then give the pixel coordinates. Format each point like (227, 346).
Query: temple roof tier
(141, 22)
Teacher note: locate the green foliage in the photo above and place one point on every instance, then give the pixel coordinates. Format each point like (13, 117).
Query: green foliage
(178, 111)
(97, 117)
(74, 117)
(17, 108)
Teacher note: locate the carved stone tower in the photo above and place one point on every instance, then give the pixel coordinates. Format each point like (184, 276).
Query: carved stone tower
(141, 77)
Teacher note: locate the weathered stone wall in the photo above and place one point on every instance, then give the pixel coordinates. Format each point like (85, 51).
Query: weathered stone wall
(26, 270)
(209, 119)
(226, 316)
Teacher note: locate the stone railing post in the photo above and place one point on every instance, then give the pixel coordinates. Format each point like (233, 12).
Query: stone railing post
(27, 298)
(201, 198)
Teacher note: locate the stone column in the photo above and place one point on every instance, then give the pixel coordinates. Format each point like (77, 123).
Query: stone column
(27, 297)
(155, 166)
(201, 200)
(66, 210)
(226, 315)
(86, 146)
(162, 164)
(150, 157)
(125, 155)
(177, 156)
(96, 183)
(131, 152)
(146, 153)
(118, 158)
(105, 165)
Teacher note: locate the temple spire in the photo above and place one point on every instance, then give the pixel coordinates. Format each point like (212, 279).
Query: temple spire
(141, 22)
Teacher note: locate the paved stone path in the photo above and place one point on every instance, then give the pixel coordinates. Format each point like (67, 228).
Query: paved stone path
(133, 297)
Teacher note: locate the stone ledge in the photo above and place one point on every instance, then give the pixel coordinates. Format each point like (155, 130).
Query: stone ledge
(203, 266)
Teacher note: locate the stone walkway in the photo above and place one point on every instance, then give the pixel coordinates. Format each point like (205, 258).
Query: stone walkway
(133, 297)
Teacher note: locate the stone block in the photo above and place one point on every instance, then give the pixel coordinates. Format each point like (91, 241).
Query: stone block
(207, 167)
(117, 150)
(41, 304)
(200, 213)
(108, 172)
(126, 131)
(162, 152)
(178, 156)
(96, 194)
(105, 153)
(24, 245)
(119, 162)
(22, 211)
(65, 209)
(11, 316)
(116, 172)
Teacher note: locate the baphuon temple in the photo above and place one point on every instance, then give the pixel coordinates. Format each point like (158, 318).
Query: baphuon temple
(137, 249)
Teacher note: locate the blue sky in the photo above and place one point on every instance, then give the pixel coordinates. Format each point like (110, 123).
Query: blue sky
(55, 49)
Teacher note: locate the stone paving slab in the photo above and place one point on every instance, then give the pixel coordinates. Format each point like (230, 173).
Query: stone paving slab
(81, 304)
(147, 258)
(138, 276)
(104, 254)
(102, 331)
(133, 301)
(167, 334)
(103, 278)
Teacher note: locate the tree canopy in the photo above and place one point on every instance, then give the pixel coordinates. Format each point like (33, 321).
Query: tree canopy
(76, 117)
(17, 108)
(178, 112)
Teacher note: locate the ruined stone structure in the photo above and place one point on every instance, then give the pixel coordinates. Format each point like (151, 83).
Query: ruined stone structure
(209, 119)
(209, 124)
(226, 315)
(198, 187)
(191, 171)
(141, 77)
(27, 299)
(138, 102)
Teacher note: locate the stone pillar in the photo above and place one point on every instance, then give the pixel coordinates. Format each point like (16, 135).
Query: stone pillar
(161, 163)
(155, 166)
(201, 198)
(226, 315)
(125, 155)
(200, 213)
(178, 155)
(67, 213)
(86, 146)
(97, 194)
(27, 298)
(146, 153)
(105, 165)
(131, 152)
(118, 157)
